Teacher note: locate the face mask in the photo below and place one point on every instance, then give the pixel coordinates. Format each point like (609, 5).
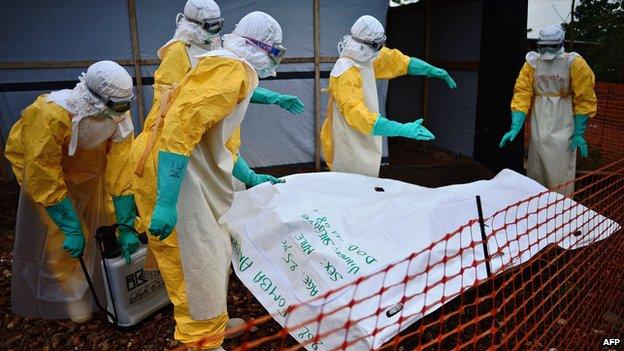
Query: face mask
(372, 55)
(192, 32)
(362, 53)
(343, 43)
(549, 53)
(114, 115)
(256, 57)
(213, 42)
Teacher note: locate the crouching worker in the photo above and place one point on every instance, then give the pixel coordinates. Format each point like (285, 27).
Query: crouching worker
(187, 182)
(69, 151)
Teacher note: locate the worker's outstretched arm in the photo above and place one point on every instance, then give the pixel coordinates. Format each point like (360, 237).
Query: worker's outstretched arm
(289, 103)
(245, 174)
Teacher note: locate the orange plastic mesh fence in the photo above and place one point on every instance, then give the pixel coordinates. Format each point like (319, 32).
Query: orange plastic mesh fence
(605, 131)
(557, 272)
(610, 101)
(556, 280)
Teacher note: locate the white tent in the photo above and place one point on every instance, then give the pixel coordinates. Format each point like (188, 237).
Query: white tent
(45, 45)
(67, 36)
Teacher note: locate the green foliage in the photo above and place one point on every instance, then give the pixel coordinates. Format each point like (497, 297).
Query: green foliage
(601, 21)
(395, 3)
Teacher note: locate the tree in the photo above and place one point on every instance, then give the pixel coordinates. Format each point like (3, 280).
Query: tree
(395, 3)
(600, 22)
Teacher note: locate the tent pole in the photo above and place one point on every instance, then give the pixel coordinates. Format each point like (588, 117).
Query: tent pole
(4, 163)
(317, 86)
(136, 56)
(425, 95)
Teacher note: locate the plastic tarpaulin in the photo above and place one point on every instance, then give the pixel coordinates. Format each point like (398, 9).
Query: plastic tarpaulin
(38, 30)
(317, 233)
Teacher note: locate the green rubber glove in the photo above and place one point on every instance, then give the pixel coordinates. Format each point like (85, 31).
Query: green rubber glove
(417, 67)
(245, 174)
(517, 121)
(171, 171)
(413, 130)
(289, 103)
(578, 137)
(125, 213)
(65, 216)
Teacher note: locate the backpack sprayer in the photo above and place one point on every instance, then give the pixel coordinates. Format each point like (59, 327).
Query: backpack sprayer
(133, 293)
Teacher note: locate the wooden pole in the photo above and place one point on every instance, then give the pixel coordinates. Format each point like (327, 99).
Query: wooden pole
(143, 62)
(56, 64)
(453, 65)
(317, 86)
(136, 56)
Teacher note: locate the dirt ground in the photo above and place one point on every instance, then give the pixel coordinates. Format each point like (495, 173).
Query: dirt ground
(416, 164)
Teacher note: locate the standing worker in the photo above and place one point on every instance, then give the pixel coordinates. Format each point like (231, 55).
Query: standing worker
(197, 32)
(69, 151)
(193, 185)
(352, 132)
(558, 88)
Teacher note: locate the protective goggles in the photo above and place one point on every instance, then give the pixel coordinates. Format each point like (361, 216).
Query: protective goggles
(376, 44)
(276, 52)
(553, 47)
(211, 25)
(120, 105)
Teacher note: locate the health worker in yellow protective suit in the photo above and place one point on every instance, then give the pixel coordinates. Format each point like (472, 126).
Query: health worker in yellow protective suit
(193, 184)
(69, 151)
(558, 88)
(352, 132)
(197, 33)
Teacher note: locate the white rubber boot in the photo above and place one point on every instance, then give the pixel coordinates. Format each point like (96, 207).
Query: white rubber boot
(234, 323)
(82, 319)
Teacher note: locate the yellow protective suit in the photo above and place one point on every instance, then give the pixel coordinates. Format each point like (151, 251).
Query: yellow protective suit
(582, 81)
(554, 91)
(354, 109)
(198, 122)
(47, 282)
(174, 66)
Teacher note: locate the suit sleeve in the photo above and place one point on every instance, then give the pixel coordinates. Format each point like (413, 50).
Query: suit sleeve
(175, 64)
(203, 99)
(582, 81)
(348, 93)
(523, 90)
(47, 130)
(118, 169)
(390, 63)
